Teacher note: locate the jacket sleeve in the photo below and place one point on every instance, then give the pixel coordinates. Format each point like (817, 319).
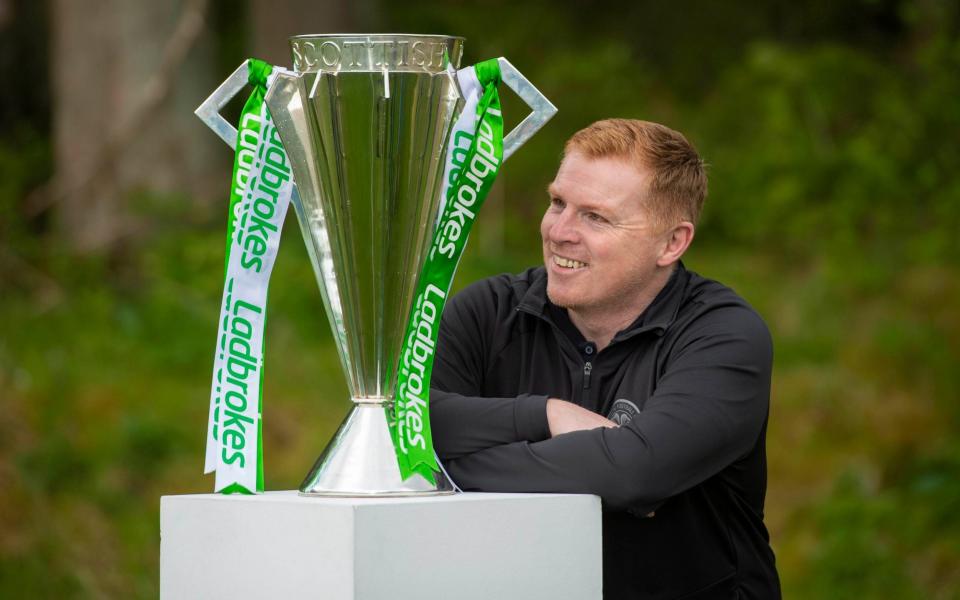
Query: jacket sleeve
(708, 410)
(461, 420)
(463, 425)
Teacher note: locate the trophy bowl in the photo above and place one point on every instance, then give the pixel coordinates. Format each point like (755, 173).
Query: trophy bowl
(365, 121)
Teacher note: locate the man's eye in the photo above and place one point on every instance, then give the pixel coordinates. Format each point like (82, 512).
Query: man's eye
(556, 203)
(592, 216)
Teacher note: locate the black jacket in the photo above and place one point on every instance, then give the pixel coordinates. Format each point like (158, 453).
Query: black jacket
(689, 382)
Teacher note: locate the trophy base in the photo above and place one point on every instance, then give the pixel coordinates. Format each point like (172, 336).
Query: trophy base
(360, 460)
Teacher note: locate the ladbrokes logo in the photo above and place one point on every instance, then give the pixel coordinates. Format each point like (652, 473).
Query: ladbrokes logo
(241, 366)
(414, 368)
(257, 220)
(263, 170)
(482, 165)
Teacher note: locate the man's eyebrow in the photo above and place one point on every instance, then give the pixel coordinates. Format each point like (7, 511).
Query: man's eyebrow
(586, 206)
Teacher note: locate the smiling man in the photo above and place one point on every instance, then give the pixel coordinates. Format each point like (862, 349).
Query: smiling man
(612, 370)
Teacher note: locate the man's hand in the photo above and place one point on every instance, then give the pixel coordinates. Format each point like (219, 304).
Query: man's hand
(564, 417)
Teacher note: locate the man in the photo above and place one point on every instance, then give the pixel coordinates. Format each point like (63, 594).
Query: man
(612, 370)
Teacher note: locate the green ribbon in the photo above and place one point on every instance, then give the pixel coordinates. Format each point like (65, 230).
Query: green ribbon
(248, 134)
(470, 182)
(248, 131)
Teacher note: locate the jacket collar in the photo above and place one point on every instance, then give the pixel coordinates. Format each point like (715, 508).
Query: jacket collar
(657, 317)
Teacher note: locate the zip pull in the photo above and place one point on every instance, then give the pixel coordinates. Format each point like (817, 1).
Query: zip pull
(587, 369)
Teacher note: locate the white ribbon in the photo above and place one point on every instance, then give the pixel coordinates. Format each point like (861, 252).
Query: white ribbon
(233, 431)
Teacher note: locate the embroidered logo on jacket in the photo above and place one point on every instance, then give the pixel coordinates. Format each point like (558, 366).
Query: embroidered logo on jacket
(622, 411)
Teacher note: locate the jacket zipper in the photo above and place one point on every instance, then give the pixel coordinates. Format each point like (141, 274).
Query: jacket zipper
(587, 366)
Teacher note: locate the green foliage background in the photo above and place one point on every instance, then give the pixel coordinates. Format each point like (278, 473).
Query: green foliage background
(831, 129)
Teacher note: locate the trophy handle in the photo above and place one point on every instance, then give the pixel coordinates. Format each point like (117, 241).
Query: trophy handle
(542, 109)
(209, 111)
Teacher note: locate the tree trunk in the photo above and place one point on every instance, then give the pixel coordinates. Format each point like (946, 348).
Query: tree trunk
(121, 125)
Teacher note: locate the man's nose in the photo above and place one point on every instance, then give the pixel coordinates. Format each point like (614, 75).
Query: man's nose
(564, 227)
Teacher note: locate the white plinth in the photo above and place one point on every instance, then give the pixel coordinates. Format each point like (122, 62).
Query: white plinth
(281, 545)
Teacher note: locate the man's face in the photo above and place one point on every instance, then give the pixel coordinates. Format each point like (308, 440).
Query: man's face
(600, 245)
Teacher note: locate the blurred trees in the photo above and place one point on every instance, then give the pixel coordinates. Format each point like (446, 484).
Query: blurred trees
(124, 79)
(25, 161)
(272, 22)
(123, 82)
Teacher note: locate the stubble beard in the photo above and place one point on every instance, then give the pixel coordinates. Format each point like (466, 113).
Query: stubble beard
(618, 301)
(559, 303)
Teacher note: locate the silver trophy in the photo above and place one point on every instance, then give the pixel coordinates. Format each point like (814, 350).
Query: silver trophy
(365, 121)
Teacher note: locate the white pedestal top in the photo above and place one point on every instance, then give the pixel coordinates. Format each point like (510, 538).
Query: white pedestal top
(464, 546)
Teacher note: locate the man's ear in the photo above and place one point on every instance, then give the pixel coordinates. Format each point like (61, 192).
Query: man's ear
(675, 243)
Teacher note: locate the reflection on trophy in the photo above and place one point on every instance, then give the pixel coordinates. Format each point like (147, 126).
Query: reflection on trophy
(365, 121)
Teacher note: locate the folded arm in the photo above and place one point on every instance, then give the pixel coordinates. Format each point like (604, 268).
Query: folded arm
(707, 411)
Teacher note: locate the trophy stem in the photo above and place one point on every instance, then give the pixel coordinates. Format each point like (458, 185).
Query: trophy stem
(360, 459)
